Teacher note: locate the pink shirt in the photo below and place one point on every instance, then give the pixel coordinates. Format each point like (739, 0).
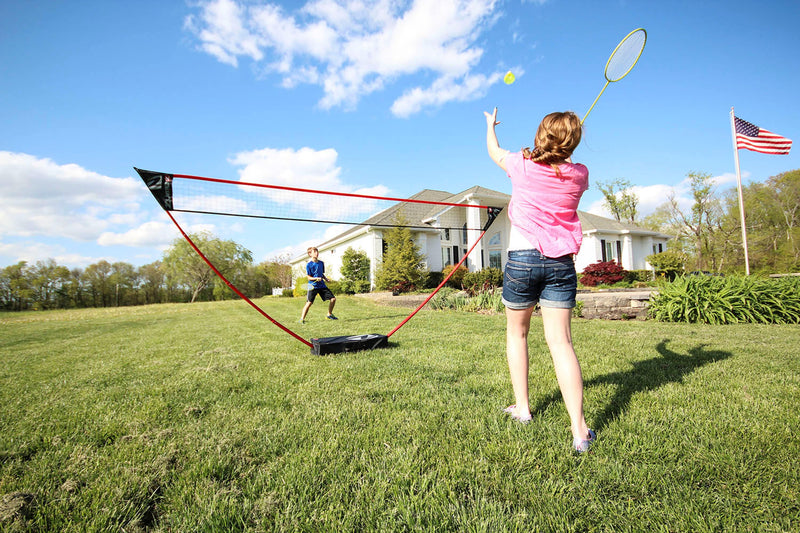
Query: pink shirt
(544, 207)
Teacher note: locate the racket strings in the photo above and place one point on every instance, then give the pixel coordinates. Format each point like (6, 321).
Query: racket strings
(625, 55)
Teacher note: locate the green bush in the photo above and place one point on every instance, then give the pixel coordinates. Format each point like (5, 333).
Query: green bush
(727, 300)
(300, 286)
(668, 264)
(288, 293)
(457, 277)
(643, 276)
(450, 298)
(482, 280)
(433, 280)
(354, 272)
(354, 286)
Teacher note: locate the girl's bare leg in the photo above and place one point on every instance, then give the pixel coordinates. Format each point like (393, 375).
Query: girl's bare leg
(558, 334)
(518, 323)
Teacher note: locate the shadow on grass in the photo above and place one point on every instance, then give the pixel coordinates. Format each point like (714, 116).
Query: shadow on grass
(650, 374)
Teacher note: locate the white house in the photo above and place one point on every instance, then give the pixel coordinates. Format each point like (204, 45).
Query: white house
(604, 239)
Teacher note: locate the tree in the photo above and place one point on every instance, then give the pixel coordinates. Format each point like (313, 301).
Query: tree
(47, 281)
(122, 281)
(402, 262)
(186, 267)
(95, 278)
(278, 271)
(772, 213)
(699, 227)
(620, 199)
(355, 271)
(15, 291)
(151, 282)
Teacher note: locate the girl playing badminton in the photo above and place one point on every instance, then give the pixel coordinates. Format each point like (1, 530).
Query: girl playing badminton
(546, 188)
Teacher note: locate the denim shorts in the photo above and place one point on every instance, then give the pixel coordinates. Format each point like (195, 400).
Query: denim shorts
(532, 278)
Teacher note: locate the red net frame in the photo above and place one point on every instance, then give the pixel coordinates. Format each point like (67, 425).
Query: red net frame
(160, 185)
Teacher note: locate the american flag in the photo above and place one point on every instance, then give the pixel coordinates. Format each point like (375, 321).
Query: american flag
(751, 137)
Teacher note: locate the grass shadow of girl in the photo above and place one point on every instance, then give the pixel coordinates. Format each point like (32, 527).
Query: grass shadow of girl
(647, 375)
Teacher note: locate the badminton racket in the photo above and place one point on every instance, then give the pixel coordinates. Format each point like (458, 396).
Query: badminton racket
(622, 60)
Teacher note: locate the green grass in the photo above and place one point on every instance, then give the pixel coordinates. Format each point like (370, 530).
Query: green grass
(206, 417)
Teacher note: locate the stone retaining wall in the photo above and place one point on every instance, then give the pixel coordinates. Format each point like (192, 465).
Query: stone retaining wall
(615, 305)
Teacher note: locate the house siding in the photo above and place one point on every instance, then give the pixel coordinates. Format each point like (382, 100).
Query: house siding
(629, 244)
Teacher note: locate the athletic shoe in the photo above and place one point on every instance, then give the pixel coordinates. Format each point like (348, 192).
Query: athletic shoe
(582, 445)
(331, 317)
(301, 321)
(511, 410)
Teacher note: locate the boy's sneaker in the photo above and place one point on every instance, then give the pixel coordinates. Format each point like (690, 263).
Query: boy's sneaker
(331, 317)
(301, 321)
(582, 445)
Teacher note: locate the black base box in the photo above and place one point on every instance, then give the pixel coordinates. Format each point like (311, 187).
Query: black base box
(348, 343)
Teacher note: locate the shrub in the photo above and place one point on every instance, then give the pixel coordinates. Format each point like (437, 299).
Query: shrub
(433, 280)
(354, 271)
(639, 276)
(457, 277)
(288, 293)
(602, 272)
(354, 287)
(727, 300)
(403, 259)
(668, 264)
(403, 286)
(483, 280)
(300, 286)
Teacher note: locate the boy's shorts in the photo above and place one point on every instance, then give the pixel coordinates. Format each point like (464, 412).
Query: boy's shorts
(532, 278)
(325, 293)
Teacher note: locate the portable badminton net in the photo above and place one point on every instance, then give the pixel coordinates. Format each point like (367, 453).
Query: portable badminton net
(212, 196)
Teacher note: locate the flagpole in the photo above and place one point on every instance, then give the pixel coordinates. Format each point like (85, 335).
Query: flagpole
(741, 198)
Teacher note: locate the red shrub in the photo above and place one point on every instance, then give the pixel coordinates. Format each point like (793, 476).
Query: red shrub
(602, 273)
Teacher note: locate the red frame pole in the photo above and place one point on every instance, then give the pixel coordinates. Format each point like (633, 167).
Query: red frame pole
(233, 288)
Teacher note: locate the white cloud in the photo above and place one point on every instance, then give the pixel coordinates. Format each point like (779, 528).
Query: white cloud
(41, 197)
(31, 252)
(352, 48)
(652, 197)
(150, 234)
(305, 168)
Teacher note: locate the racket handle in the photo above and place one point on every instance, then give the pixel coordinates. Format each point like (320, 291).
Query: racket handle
(595, 101)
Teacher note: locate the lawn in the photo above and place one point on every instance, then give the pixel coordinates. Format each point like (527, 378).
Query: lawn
(207, 417)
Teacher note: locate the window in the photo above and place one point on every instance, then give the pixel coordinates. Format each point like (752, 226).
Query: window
(495, 259)
(612, 250)
(495, 251)
(446, 234)
(658, 248)
(446, 257)
(464, 234)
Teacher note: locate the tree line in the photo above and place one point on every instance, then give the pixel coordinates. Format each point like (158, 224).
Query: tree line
(709, 232)
(180, 276)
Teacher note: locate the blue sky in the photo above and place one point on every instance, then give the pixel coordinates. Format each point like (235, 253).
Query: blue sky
(359, 95)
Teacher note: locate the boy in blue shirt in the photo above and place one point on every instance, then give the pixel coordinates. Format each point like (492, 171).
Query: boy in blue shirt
(316, 285)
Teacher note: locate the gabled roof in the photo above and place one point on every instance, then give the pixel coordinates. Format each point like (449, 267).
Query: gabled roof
(413, 212)
(417, 214)
(591, 223)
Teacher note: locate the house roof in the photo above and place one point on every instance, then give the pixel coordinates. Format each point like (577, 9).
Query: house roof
(591, 223)
(417, 214)
(413, 212)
